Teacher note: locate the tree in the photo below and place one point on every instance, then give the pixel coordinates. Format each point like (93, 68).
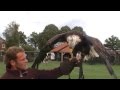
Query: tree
(11, 34)
(28, 47)
(49, 31)
(42, 40)
(33, 39)
(22, 38)
(113, 42)
(65, 29)
(78, 29)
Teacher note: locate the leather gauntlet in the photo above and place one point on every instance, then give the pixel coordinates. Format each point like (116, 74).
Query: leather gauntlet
(68, 65)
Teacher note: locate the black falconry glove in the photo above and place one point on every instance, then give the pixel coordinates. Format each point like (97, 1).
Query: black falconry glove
(68, 65)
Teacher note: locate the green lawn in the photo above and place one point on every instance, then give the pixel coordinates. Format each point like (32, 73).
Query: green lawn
(98, 71)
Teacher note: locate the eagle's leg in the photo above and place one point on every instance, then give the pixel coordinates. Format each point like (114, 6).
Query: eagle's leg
(81, 76)
(71, 57)
(69, 76)
(80, 62)
(35, 65)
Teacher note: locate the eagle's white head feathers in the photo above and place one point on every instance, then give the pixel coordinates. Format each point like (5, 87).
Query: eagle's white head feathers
(73, 40)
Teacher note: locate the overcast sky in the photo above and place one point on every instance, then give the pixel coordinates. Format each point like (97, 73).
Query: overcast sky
(99, 24)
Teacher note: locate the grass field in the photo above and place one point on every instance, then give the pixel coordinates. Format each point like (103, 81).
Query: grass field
(98, 71)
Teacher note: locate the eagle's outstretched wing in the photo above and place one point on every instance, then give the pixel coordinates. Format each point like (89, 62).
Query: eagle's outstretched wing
(47, 48)
(103, 53)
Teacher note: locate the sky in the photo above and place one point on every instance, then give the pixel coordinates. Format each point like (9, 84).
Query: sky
(99, 24)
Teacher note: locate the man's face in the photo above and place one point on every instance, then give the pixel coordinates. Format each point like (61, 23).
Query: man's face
(21, 61)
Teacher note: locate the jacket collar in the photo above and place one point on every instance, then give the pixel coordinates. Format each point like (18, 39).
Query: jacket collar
(18, 73)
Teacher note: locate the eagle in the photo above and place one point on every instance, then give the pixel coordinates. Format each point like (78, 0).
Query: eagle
(80, 43)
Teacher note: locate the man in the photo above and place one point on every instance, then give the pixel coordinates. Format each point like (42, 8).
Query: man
(16, 67)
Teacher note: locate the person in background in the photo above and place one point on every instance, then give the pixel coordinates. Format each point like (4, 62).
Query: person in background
(52, 56)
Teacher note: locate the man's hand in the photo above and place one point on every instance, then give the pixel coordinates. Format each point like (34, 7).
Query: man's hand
(76, 59)
(68, 64)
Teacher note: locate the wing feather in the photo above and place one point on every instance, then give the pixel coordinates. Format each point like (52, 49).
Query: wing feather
(46, 48)
(57, 38)
(103, 53)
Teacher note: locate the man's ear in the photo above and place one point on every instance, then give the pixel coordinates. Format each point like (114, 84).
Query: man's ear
(12, 62)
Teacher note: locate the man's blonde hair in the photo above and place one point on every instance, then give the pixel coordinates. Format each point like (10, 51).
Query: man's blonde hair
(11, 54)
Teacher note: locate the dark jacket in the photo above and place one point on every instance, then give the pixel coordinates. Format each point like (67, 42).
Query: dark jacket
(33, 74)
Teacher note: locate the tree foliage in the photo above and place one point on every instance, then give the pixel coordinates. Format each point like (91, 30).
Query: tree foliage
(33, 39)
(11, 34)
(65, 29)
(113, 42)
(28, 47)
(49, 31)
(78, 29)
(22, 38)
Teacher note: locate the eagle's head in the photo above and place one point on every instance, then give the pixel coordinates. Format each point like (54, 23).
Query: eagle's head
(81, 45)
(73, 40)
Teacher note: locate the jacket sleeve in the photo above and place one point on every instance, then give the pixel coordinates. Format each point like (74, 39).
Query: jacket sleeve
(65, 68)
(49, 74)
